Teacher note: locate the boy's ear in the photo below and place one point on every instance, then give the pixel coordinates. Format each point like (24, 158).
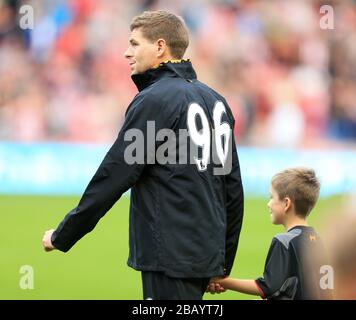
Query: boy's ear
(287, 204)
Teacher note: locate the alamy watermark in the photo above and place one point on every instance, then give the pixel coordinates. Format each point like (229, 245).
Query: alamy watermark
(202, 143)
(327, 280)
(27, 277)
(327, 20)
(26, 19)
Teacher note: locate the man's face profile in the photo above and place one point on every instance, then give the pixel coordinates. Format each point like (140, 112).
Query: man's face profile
(141, 53)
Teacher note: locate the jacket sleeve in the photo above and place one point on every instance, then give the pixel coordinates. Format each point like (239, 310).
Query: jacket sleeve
(113, 177)
(234, 209)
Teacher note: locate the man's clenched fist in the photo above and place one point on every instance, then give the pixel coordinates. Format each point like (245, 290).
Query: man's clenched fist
(46, 240)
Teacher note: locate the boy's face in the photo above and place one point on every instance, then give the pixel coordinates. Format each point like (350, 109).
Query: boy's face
(276, 207)
(141, 53)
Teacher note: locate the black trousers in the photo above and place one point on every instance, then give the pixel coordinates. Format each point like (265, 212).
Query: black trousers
(158, 286)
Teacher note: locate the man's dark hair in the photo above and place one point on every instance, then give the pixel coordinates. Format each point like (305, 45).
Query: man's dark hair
(165, 25)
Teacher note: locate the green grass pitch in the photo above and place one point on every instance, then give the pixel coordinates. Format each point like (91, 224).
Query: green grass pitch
(95, 268)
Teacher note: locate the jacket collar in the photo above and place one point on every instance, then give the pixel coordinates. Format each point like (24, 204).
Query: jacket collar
(173, 68)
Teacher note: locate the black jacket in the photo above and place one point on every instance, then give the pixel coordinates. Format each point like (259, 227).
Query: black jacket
(184, 221)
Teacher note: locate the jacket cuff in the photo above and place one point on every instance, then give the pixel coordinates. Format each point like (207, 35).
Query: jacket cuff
(56, 243)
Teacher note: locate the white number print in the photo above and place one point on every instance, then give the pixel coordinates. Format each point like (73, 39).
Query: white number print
(202, 138)
(221, 130)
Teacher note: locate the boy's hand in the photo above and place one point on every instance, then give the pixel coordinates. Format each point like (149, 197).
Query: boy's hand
(214, 287)
(47, 242)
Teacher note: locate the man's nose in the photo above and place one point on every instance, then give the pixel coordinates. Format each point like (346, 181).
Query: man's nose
(128, 53)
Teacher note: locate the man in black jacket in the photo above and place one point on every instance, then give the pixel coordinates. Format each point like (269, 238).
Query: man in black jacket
(177, 153)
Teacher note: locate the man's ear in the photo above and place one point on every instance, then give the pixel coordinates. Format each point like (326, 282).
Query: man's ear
(161, 47)
(287, 204)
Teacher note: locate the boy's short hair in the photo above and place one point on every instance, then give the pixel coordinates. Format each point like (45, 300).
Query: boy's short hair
(299, 184)
(166, 25)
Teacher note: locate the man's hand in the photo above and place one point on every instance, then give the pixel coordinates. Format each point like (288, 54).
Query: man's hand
(214, 286)
(46, 240)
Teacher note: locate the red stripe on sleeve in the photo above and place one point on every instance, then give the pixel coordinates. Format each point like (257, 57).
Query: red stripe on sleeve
(262, 294)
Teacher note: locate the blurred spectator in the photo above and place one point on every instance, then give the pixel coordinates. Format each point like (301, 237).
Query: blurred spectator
(289, 82)
(340, 241)
(343, 72)
(9, 29)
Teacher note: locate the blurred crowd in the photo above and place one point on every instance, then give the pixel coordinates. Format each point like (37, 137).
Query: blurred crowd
(289, 80)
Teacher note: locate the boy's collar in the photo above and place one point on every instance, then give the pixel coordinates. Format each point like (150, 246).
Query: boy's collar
(298, 226)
